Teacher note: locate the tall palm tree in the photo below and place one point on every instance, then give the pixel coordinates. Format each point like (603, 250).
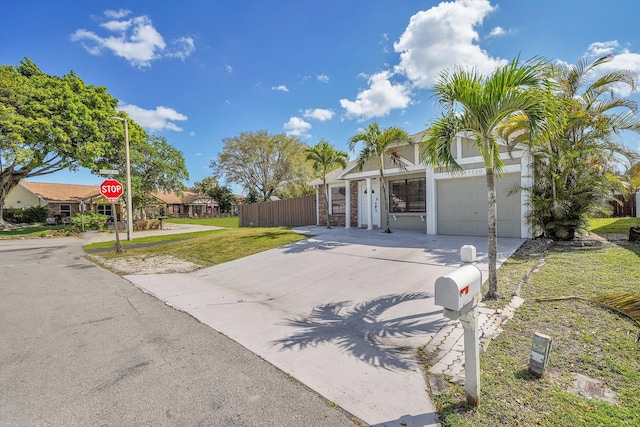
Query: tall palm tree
(325, 158)
(577, 160)
(379, 144)
(476, 104)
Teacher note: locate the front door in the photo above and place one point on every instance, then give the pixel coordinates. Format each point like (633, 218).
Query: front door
(363, 207)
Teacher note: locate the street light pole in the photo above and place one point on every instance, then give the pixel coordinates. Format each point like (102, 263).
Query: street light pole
(128, 176)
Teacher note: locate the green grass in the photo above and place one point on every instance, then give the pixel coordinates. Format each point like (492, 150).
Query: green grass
(612, 225)
(150, 239)
(587, 339)
(38, 231)
(229, 222)
(219, 246)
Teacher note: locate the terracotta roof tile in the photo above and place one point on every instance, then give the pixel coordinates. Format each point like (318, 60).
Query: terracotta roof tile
(61, 192)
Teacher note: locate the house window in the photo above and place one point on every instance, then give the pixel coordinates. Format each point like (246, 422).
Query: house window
(338, 200)
(65, 210)
(104, 209)
(177, 209)
(408, 195)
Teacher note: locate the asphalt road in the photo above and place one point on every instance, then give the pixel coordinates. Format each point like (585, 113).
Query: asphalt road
(81, 346)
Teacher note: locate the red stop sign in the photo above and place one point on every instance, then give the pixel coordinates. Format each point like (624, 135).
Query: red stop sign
(111, 189)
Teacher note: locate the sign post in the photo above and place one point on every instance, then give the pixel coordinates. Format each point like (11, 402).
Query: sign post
(112, 190)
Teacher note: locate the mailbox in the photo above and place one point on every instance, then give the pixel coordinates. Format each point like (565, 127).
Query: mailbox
(459, 289)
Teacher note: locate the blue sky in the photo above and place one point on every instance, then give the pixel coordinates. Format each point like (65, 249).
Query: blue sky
(200, 71)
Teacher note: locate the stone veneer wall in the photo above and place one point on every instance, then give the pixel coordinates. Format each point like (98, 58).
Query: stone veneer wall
(338, 220)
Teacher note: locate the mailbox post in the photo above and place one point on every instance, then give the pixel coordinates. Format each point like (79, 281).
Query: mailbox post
(459, 294)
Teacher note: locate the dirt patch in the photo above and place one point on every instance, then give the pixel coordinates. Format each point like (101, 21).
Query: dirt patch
(143, 264)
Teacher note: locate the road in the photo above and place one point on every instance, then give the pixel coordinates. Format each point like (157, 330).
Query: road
(82, 346)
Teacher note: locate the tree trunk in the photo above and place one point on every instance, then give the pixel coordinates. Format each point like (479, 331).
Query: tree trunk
(492, 236)
(326, 200)
(386, 202)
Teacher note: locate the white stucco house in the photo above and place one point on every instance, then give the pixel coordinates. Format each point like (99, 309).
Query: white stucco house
(428, 199)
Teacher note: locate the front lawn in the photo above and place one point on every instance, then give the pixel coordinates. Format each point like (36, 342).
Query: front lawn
(36, 231)
(612, 225)
(228, 222)
(587, 339)
(218, 246)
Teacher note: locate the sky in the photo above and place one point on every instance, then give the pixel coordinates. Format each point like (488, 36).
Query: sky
(200, 71)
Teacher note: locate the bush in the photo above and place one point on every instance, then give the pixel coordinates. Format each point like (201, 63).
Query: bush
(92, 221)
(30, 215)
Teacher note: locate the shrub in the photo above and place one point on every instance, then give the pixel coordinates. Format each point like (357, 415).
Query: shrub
(30, 215)
(92, 221)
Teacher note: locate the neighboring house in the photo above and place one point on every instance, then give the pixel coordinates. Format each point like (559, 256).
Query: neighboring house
(62, 200)
(427, 199)
(187, 205)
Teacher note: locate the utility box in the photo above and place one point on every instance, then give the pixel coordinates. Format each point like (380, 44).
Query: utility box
(540, 350)
(458, 289)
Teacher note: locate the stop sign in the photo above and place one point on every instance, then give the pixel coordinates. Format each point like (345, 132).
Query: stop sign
(111, 189)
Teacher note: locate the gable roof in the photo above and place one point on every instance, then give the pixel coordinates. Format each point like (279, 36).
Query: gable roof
(61, 192)
(188, 197)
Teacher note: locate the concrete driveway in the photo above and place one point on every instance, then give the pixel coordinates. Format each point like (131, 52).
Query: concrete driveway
(342, 312)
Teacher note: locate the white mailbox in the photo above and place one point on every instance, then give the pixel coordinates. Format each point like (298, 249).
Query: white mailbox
(459, 289)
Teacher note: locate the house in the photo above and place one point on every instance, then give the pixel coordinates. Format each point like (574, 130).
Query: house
(427, 199)
(184, 205)
(62, 200)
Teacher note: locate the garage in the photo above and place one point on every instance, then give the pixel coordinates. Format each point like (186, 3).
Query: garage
(462, 206)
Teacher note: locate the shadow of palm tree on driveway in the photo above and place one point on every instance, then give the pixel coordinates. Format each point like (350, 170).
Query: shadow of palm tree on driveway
(361, 331)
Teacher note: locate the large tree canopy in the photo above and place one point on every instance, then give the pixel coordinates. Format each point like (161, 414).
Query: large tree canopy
(52, 123)
(261, 163)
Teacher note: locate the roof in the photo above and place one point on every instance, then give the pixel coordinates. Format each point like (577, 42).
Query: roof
(188, 197)
(333, 175)
(61, 192)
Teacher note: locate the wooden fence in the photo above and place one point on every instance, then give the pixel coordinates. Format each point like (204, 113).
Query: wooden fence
(280, 213)
(626, 207)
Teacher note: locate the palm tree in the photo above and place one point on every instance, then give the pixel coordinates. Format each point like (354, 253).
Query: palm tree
(378, 144)
(576, 161)
(325, 158)
(477, 105)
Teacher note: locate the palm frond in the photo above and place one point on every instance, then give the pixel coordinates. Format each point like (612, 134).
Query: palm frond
(626, 303)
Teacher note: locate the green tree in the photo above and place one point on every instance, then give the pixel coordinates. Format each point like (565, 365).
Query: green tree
(477, 105)
(224, 196)
(155, 165)
(204, 186)
(50, 123)
(378, 144)
(326, 158)
(261, 162)
(577, 159)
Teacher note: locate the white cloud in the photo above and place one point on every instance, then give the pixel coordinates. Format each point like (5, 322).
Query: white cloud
(623, 60)
(117, 14)
(297, 127)
(497, 32)
(381, 97)
(192, 133)
(134, 39)
(229, 68)
(323, 78)
(318, 114)
(442, 38)
(281, 88)
(161, 118)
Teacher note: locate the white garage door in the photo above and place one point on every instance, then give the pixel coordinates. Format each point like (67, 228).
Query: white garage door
(462, 206)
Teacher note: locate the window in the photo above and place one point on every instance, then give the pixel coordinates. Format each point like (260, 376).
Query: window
(177, 209)
(65, 210)
(338, 200)
(104, 209)
(408, 195)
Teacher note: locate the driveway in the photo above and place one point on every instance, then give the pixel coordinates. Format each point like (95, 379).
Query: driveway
(342, 312)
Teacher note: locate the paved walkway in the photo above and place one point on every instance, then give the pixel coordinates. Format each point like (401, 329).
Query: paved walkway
(342, 312)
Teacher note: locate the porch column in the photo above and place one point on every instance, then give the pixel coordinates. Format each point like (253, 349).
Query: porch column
(526, 181)
(432, 197)
(318, 206)
(369, 205)
(347, 205)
